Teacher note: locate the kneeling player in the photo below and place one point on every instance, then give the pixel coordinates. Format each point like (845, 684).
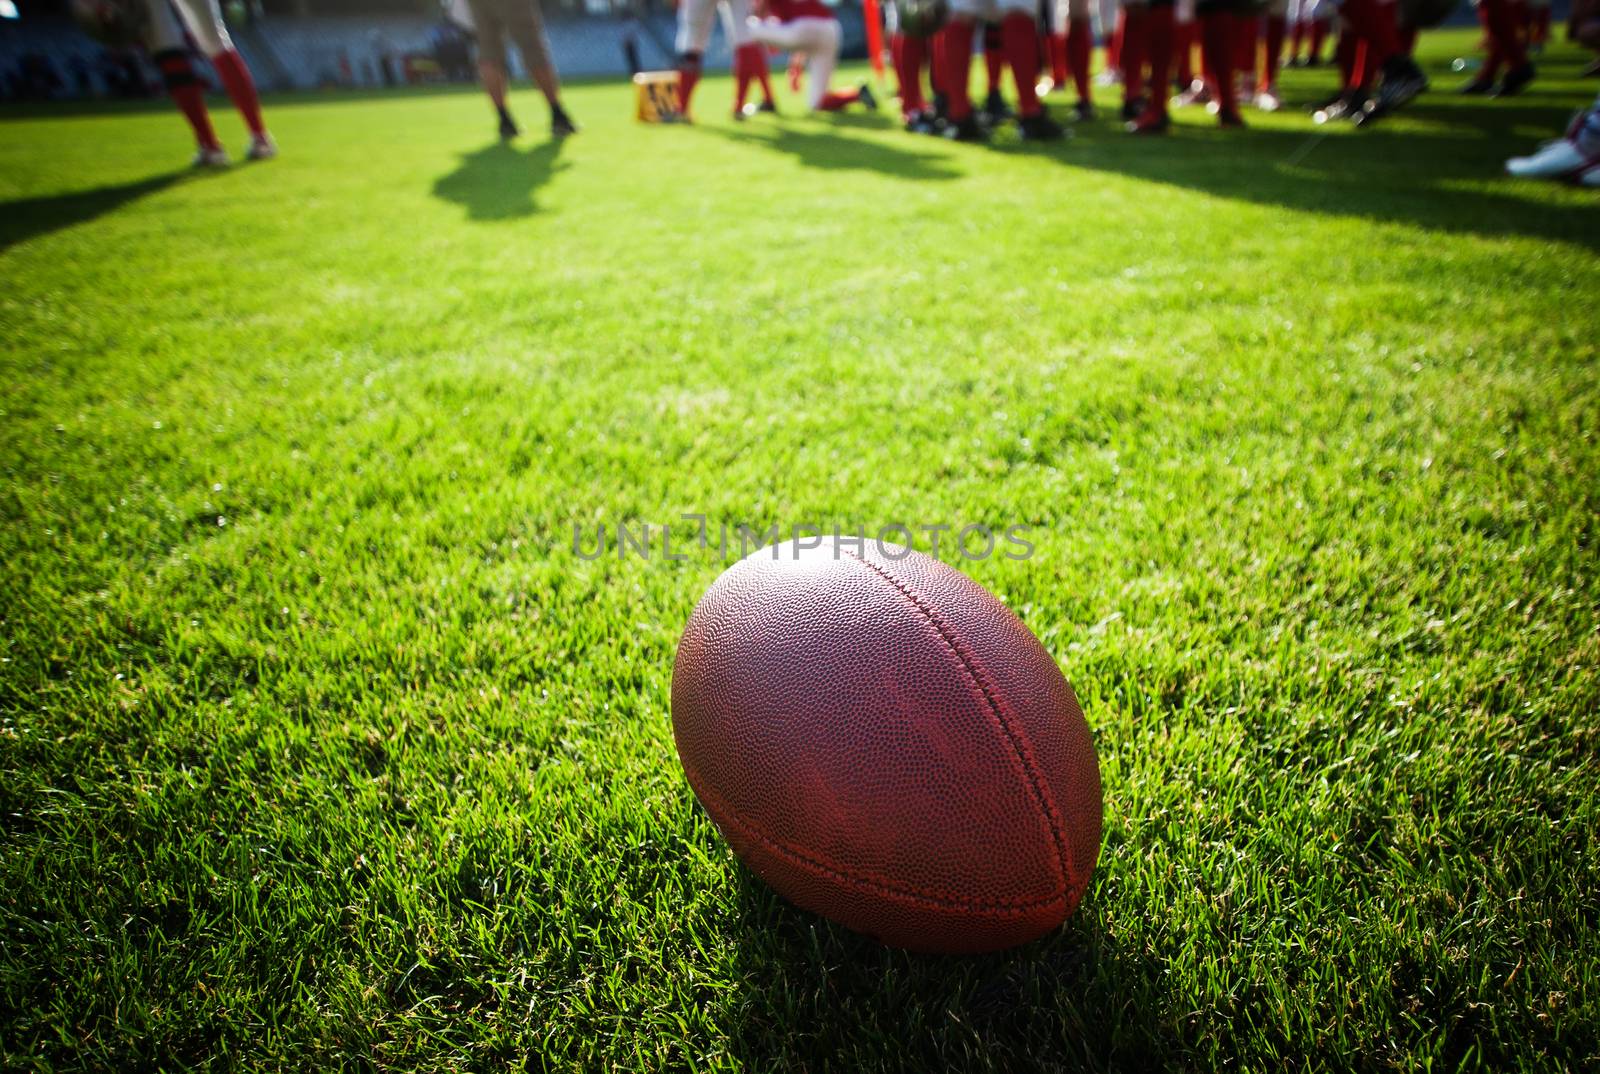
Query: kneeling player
(808, 28)
(695, 19)
(170, 52)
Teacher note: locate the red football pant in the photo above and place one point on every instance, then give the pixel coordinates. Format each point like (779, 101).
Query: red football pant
(1277, 26)
(1505, 37)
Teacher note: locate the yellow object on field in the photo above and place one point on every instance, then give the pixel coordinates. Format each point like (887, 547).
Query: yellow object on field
(657, 93)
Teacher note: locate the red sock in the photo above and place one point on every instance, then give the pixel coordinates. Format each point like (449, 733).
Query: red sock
(1276, 27)
(1058, 59)
(1185, 35)
(1373, 22)
(1505, 36)
(1319, 30)
(1217, 40)
(1133, 44)
(187, 93)
(741, 76)
(763, 75)
(1021, 33)
(241, 88)
(1541, 25)
(994, 57)
(1114, 43)
(1297, 36)
(688, 75)
(1407, 36)
(1080, 44)
(909, 53)
(834, 100)
(957, 66)
(1159, 38)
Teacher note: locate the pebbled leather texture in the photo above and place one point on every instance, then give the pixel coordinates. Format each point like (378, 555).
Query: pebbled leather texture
(886, 744)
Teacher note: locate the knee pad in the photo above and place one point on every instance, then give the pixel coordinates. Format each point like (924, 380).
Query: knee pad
(175, 67)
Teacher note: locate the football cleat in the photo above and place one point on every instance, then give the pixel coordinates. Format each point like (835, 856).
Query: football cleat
(867, 98)
(1345, 106)
(1083, 111)
(508, 129)
(1151, 122)
(995, 111)
(1195, 94)
(1268, 100)
(1403, 80)
(1553, 160)
(1230, 119)
(768, 108)
(1478, 87)
(210, 157)
(924, 122)
(1039, 127)
(1133, 109)
(561, 124)
(1590, 176)
(262, 147)
(966, 129)
(1516, 81)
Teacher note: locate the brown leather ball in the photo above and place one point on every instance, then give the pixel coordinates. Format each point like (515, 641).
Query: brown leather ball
(886, 744)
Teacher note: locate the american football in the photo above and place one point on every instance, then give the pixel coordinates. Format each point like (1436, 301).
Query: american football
(886, 744)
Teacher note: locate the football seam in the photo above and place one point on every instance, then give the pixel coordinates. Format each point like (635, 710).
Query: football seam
(1014, 736)
(862, 883)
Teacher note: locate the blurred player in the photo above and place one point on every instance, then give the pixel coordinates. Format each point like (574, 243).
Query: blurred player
(1503, 23)
(1019, 31)
(1370, 47)
(1308, 25)
(695, 19)
(522, 22)
(168, 49)
(1071, 44)
(807, 28)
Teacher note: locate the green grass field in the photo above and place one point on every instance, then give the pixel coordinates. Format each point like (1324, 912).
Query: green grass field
(318, 745)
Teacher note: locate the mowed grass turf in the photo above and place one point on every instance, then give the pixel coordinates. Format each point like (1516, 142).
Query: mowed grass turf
(320, 746)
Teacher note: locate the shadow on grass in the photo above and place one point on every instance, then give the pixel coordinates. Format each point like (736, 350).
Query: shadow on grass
(1433, 177)
(28, 218)
(499, 181)
(817, 996)
(832, 151)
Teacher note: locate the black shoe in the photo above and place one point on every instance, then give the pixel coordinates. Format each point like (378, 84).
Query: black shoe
(1151, 122)
(1039, 127)
(865, 96)
(1403, 80)
(1478, 87)
(1084, 111)
(508, 128)
(561, 124)
(1516, 81)
(995, 110)
(966, 130)
(1344, 106)
(1230, 119)
(1313, 61)
(767, 107)
(1132, 110)
(923, 122)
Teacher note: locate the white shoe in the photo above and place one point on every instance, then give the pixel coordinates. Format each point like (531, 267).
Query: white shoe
(1108, 77)
(1268, 101)
(210, 158)
(1553, 161)
(262, 147)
